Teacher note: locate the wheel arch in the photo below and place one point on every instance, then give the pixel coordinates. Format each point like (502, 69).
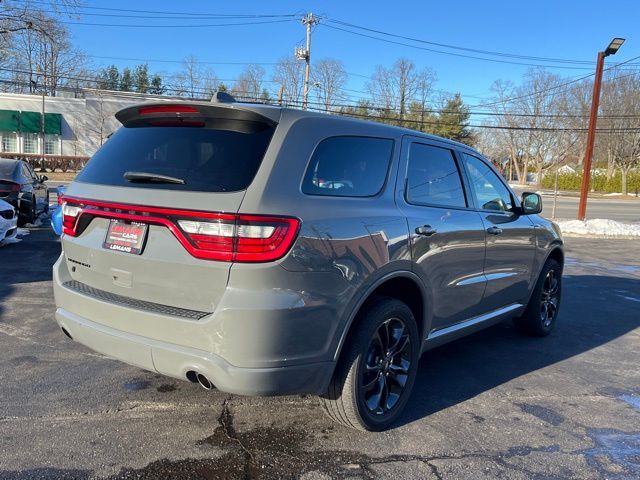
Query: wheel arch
(405, 286)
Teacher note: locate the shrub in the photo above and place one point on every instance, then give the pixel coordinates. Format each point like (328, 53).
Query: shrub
(599, 182)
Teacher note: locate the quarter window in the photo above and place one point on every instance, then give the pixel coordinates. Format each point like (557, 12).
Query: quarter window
(348, 167)
(433, 177)
(488, 190)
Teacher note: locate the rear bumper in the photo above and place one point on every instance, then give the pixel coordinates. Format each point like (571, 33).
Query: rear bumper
(175, 361)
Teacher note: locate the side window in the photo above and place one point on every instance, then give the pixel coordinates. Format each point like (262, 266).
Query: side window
(488, 190)
(348, 167)
(433, 177)
(26, 172)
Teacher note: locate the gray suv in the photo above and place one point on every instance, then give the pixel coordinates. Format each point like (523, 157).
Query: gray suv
(268, 251)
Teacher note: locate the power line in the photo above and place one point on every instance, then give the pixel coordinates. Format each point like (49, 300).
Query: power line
(570, 82)
(196, 15)
(168, 86)
(417, 47)
(139, 25)
(466, 49)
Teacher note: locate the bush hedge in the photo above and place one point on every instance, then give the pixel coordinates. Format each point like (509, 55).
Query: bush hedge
(599, 182)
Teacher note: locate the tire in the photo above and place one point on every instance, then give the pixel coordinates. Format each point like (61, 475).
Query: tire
(28, 216)
(540, 317)
(347, 400)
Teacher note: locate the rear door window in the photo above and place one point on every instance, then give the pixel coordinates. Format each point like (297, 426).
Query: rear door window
(348, 167)
(433, 177)
(207, 159)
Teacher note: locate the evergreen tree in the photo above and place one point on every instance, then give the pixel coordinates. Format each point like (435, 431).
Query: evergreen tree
(141, 78)
(222, 87)
(126, 80)
(453, 121)
(109, 78)
(265, 97)
(156, 87)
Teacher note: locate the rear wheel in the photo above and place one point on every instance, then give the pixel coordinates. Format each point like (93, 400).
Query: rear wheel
(377, 369)
(539, 319)
(28, 214)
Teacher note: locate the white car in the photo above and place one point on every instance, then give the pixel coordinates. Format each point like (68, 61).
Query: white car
(8, 221)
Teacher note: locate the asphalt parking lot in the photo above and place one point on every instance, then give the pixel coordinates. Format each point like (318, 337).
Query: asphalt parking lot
(492, 405)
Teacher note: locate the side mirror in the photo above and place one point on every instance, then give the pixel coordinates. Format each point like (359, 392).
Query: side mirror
(43, 178)
(531, 203)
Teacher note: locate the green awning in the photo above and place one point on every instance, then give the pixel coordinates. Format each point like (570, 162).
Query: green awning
(9, 120)
(53, 123)
(30, 122)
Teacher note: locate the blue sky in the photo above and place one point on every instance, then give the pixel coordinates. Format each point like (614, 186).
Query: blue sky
(568, 29)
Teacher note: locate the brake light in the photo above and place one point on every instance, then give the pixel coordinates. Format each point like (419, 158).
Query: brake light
(167, 109)
(10, 187)
(206, 235)
(70, 214)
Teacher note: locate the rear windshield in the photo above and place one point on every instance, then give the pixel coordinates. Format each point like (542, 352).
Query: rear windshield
(7, 170)
(206, 159)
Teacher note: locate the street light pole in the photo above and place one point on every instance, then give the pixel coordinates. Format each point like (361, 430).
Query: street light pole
(593, 119)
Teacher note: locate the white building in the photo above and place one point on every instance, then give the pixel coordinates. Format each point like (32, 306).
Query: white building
(73, 125)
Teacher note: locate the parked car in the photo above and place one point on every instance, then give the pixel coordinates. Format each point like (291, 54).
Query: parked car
(269, 251)
(56, 214)
(24, 189)
(8, 221)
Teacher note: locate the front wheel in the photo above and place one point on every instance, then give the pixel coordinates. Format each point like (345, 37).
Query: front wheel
(539, 318)
(377, 368)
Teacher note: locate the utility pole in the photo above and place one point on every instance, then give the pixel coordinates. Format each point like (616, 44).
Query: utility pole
(593, 119)
(305, 54)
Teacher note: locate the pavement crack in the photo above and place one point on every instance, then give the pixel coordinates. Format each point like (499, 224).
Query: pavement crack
(226, 424)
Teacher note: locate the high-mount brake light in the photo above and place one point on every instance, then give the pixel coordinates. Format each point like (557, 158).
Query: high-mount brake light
(205, 235)
(167, 109)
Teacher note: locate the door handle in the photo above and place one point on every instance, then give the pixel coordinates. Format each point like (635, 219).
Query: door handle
(426, 230)
(494, 230)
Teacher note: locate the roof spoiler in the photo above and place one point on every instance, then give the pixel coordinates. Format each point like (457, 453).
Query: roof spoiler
(194, 111)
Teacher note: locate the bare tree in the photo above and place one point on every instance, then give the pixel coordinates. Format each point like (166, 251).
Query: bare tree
(27, 15)
(188, 81)
(329, 77)
(44, 62)
(289, 73)
(395, 87)
(621, 123)
(250, 83)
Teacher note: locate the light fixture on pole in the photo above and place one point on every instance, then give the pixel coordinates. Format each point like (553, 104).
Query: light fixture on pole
(593, 118)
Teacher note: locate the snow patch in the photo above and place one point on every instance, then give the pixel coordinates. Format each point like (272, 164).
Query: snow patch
(23, 231)
(599, 227)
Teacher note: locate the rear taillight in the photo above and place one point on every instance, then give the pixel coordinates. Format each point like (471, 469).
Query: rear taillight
(70, 214)
(6, 188)
(243, 238)
(206, 235)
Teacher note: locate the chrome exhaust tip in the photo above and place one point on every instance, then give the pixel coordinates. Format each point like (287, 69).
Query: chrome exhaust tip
(204, 382)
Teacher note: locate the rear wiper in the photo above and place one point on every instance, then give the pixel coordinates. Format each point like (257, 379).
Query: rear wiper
(151, 177)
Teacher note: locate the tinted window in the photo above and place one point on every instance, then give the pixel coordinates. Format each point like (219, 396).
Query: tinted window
(489, 191)
(207, 159)
(7, 170)
(348, 167)
(433, 177)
